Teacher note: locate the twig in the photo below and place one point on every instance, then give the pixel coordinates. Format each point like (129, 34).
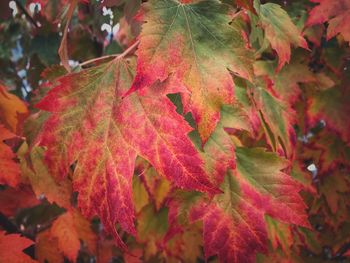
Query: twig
(25, 12)
(63, 49)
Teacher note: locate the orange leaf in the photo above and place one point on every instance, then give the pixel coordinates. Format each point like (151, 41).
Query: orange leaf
(9, 169)
(11, 248)
(69, 229)
(12, 110)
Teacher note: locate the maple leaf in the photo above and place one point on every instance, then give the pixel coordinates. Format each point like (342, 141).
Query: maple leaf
(134, 257)
(279, 30)
(328, 151)
(332, 106)
(233, 222)
(220, 149)
(270, 181)
(157, 187)
(220, 154)
(280, 234)
(279, 256)
(308, 238)
(41, 180)
(185, 245)
(90, 116)
(13, 199)
(33, 125)
(10, 171)
(336, 13)
(314, 34)
(183, 238)
(69, 229)
(286, 82)
(151, 228)
(12, 110)
(333, 202)
(68, 242)
(332, 188)
(47, 248)
(196, 45)
(247, 106)
(277, 119)
(140, 194)
(11, 248)
(148, 187)
(232, 228)
(300, 173)
(105, 250)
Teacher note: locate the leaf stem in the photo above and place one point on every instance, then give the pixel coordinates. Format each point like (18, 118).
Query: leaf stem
(97, 59)
(129, 49)
(117, 56)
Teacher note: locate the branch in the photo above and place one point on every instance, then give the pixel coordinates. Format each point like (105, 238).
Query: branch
(25, 12)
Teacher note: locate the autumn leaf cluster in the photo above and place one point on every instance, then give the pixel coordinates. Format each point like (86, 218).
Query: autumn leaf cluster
(184, 131)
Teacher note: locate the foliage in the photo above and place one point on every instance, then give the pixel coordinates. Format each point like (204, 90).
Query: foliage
(192, 131)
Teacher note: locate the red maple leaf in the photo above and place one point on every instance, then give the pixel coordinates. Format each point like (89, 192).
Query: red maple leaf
(91, 124)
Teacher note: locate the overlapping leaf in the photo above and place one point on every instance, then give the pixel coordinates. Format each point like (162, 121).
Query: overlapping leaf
(332, 106)
(234, 226)
(12, 113)
(279, 30)
(64, 238)
(69, 229)
(9, 168)
(157, 188)
(328, 151)
(286, 83)
(93, 125)
(14, 199)
(186, 245)
(41, 180)
(151, 228)
(333, 188)
(195, 44)
(11, 248)
(220, 148)
(12, 110)
(336, 13)
(46, 248)
(277, 119)
(280, 234)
